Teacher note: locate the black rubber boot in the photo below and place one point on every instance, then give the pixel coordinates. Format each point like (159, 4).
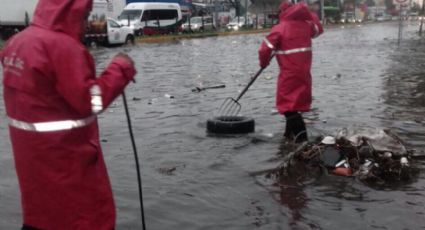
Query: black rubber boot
(295, 127)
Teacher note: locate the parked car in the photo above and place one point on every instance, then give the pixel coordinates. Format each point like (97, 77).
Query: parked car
(239, 22)
(413, 16)
(198, 24)
(150, 18)
(350, 17)
(108, 32)
(383, 17)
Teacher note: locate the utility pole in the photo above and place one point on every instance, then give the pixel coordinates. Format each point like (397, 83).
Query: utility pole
(400, 27)
(422, 18)
(246, 12)
(216, 14)
(238, 8)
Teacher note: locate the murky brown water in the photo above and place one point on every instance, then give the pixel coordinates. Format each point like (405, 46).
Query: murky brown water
(195, 181)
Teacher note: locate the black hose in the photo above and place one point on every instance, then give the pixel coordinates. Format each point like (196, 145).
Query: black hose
(136, 157)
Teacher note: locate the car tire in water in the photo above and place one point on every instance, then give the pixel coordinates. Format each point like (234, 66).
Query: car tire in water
(92, 44)
(231, 125)
(129, 40)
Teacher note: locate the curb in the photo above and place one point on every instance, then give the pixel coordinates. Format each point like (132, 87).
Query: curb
(169, 38)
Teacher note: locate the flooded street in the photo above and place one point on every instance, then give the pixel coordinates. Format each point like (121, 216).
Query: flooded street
(192, 180)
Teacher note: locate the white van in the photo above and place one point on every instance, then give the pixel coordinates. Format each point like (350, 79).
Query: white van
(155, 16)
(15, 15)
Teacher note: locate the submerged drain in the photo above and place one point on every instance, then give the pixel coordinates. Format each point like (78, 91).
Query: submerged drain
(231, 125)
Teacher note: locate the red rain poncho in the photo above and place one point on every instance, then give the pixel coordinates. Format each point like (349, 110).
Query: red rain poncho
(52, 97)
(291, 40)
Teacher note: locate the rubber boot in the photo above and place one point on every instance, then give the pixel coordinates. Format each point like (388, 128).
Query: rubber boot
(295, 127)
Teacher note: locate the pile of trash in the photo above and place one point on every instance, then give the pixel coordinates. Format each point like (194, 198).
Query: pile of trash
(370, 154)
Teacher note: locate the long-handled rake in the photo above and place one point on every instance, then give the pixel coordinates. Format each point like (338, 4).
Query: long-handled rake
(232, 107)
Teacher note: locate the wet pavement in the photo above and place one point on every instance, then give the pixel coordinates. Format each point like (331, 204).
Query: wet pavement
(193, 180)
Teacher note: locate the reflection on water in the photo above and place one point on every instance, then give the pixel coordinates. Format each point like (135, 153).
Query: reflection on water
(359, 76)
(405, 87)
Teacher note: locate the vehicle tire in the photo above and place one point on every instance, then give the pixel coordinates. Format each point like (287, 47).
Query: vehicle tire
(129, 40)
(138, 32)
(231, 125)
(93, 44)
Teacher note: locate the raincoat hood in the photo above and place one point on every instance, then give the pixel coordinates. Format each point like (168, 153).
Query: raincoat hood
(298, 12)
(62, 15)
(283, 7)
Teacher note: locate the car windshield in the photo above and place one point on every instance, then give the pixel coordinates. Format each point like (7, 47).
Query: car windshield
(196, 20)
(130, 14)
(241, 20)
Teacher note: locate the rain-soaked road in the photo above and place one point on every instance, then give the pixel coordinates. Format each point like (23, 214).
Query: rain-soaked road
(195, 181)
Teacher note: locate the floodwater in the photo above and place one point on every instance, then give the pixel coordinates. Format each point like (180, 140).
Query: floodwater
(192, 180)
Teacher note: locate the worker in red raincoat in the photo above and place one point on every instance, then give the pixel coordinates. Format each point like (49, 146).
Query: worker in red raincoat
(290, 41)
(52, 97)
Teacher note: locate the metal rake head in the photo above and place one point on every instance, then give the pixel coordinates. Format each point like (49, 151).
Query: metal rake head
(229, 108)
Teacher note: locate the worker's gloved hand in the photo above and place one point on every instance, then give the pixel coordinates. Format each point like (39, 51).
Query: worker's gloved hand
(264, 63)
(126, 57)
(264, 56)
(128, 68)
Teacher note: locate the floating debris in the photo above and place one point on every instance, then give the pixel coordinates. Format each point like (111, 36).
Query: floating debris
(337, 76)
(309, 121)
(136, 99)
(169, 96)
(170, 170)
(167, 171)
(152, 101)
(274, 112)
(372, 155)
(199, 89)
